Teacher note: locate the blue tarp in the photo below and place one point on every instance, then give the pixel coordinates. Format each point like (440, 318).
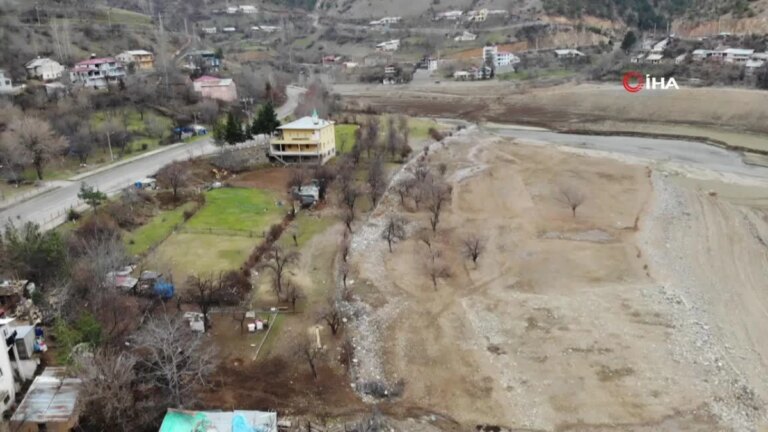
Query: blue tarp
(164, 289)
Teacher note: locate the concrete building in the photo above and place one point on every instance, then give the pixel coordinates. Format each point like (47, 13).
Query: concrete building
(452, 15)
(208, 30)
(477, 15)
(465, 37)
(209, 87)
(390, 45)
(307, 140)
(738, 55)
(140, 59)
(6, 84)
(202, 60)
(386, 21)
(248, 9)
(50, 403)
(568, 53)
(97, 72)
(44, 69)
(499, 59)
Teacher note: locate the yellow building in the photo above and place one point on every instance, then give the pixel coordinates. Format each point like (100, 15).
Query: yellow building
(307, 140)
(141, 60)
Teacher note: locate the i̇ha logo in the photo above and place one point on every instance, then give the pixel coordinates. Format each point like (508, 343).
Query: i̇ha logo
(635, 81)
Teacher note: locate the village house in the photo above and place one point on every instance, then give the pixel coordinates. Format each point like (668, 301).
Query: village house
(209, 87)
(654, 58)
(203, 60)
(6, 84)
(248, 9)
(50, 403)
(209, 30)
(473, 74)
(218, 421)
(229, 29)
(477, 15)
(44, 69)
(97, 72)
(753, 65)
(452, 15)
(390, 45)
(465, 37)
(737, 55)
(499, 59)
(568, 53)
(681, 58)
(140, 59)
(266, 29)
(307, 140)
(232, 10)
(386, 21)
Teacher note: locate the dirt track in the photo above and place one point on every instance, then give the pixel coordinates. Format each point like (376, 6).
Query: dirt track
(644, 312)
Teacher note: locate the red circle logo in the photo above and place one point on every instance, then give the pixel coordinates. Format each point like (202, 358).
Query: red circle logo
(639, 81)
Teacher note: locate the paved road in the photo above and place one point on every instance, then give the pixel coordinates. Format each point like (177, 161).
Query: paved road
(48, 209)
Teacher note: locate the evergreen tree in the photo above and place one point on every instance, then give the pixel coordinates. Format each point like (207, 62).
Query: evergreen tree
(233, 130)
(92, 196)
(219, 132)
(629, 41)
(266, 122)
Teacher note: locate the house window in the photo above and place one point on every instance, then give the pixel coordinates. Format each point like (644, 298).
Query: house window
(8, 82)
(7, 399)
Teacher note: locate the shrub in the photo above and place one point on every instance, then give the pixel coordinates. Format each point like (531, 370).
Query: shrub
(435, 134)
(73, 215)
(188, 214)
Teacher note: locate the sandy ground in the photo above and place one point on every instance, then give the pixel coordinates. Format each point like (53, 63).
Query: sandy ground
(569, 104)
(643, 313)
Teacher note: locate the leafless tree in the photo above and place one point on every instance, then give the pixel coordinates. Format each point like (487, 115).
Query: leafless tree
(472, 247)
(154, 127)
(293, 293)
(371, 135)
(571, 196)
(437, 268)
(278, 261)
(442, 168)
(175, 176)
(331, 314)
(422, 170)
(393, 136)
(294, 231)
(307, 351)
(344, 272)
(405, 130)
(174, 358)
(377, 180)
(345, 245)
(205, 292)
(426, 236)
(438, 193)
(348, 216)
(349, 195)
(404, 188)
(107, 393)
(35, 141)
(394, 230)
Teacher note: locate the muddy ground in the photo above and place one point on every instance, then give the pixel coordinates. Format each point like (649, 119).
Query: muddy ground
(642, 313)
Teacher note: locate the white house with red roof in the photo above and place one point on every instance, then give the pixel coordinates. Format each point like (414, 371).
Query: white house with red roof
(211, 87)
(97, 72)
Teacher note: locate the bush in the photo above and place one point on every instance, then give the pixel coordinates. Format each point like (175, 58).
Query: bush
(73, 215)
(144, 147)
(435, 134)
(188, 214)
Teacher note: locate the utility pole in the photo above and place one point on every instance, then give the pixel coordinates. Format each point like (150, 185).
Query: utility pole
(37, 12)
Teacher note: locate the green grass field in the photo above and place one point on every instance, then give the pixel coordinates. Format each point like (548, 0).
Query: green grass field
(345, 137)
(149, 235)
(201, 254)
(237, 210)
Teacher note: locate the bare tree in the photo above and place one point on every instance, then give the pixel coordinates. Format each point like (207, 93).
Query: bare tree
(349, 195)
(437, 268)
(571, 196)
(344, 272)
(307, 351)
(175, 176)
(331, 314)
(205, 292)
(344, 246)
(394, 230)
(426, 236)
(278, 261)
(438, 193)
(348, 216)
(472, 247)
(393, 137)
(294, 231)
(36, 142)
(404, 187)
(371, 135)
(293, 293)
(107, 392)
(376, 179)
(175, 359)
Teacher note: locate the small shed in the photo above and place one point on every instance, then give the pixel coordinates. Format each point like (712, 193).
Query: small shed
(25, 341)
(50, 404)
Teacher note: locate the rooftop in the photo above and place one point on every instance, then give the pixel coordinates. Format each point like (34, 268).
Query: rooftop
(40, 62)
(96, 61)
(51, 398)
(138, 52)
(210, 81)
(307, 122)
(219, 421)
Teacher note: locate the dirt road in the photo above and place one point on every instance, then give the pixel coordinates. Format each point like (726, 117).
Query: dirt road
(641, 313)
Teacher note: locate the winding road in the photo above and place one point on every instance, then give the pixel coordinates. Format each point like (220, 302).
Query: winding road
(49, 208)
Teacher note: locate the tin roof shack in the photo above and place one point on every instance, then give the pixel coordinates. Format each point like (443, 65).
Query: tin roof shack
(212, 421)
(307, 195)
(49, 405)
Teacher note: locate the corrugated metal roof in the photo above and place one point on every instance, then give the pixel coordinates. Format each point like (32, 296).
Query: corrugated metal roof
(51, 398)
